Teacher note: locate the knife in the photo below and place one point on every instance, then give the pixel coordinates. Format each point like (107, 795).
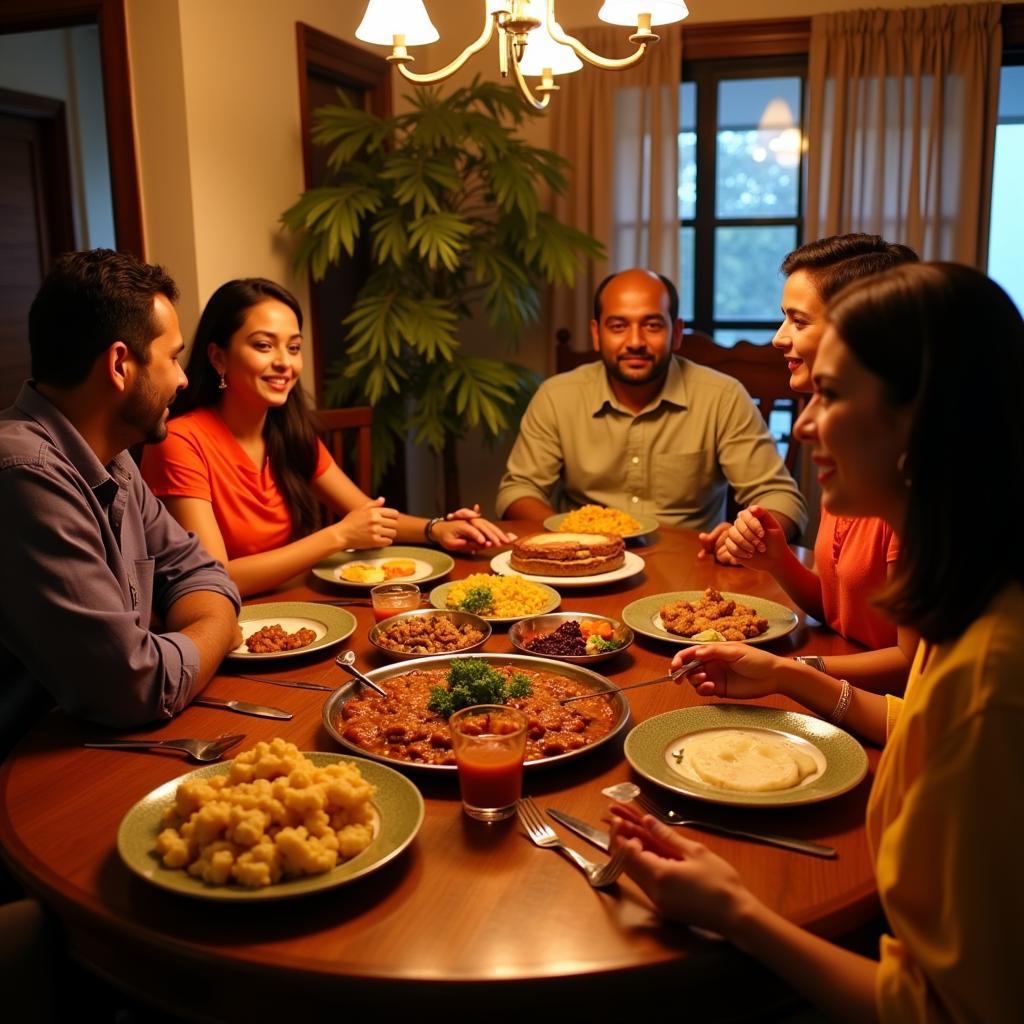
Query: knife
(243, 707)
(598, 836)
(297, 683)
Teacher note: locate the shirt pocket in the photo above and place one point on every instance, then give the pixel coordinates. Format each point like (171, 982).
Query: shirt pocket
(140, 581)
(683, 482)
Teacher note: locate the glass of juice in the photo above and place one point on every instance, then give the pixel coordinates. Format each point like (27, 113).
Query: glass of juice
(394, 598)
(489, 743)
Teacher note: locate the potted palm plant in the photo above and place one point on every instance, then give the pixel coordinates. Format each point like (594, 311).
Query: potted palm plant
(447, 196)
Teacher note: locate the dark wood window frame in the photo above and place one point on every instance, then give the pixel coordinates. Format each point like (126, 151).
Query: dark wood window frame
(109, 16)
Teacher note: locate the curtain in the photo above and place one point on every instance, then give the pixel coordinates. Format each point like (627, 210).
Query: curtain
(901, 126)
(618, 129)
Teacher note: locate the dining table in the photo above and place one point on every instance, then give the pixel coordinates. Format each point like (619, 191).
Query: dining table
(471, 916)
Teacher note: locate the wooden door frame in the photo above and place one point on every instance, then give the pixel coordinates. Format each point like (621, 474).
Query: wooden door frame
(109, 17)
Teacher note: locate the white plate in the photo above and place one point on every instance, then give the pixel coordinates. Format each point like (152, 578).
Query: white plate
(331, 625)
(632, 565)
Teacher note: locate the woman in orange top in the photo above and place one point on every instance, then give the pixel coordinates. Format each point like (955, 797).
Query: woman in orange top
(853, 557)
(242, 467)
(895, 434)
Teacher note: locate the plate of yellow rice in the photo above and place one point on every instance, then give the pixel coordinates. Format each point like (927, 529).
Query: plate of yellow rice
(496, 598)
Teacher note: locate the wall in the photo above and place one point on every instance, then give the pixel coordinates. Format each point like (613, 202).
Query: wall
(63, 64)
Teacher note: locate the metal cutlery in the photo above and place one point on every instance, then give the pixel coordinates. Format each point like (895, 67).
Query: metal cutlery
(296, 683)
(673, 676)
(676, 819)
(346, 661)
(199, 750)
(243, 707)
(601, 838)
(543, 835)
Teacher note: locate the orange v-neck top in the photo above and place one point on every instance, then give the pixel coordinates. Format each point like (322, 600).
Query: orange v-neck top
(201, 459)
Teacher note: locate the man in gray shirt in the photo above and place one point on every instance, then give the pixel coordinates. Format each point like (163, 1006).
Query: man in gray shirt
(91, 557)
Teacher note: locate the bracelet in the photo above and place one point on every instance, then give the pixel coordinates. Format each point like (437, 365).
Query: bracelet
(813, 660)
(843, 704)
(428, 530)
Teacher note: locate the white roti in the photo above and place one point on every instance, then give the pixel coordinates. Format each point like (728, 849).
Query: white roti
(730, 759)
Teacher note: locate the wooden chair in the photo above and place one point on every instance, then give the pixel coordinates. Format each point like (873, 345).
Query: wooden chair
(336, 427)
(759, 368)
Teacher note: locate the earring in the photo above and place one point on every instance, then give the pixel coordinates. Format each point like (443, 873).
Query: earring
(901, 468)
(223, 385)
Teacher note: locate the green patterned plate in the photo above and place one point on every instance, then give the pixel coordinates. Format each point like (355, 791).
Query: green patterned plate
(331, 625)
(399, 809)
(648, 524)
(651, 748)
(642, 615)
(430, 565)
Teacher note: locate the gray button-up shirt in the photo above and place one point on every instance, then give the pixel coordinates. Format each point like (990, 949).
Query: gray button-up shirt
(89, 557)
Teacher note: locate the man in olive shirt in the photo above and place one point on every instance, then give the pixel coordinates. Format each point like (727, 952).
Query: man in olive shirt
(643, 431)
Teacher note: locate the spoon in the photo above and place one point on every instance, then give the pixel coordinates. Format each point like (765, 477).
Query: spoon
(678, 674)
(347, 662)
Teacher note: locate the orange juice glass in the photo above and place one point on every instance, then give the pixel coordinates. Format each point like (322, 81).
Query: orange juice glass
(394, 598)
(489, 743)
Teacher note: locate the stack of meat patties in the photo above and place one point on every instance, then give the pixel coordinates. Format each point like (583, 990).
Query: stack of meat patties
(567, 554)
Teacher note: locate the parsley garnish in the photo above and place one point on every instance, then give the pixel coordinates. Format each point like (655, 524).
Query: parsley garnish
(472, 681)
(478, 600)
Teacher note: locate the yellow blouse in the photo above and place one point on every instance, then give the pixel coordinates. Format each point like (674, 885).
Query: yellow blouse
(945, 824)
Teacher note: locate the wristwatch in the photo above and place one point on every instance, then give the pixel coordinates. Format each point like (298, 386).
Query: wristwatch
(813, 660)
(428, 530)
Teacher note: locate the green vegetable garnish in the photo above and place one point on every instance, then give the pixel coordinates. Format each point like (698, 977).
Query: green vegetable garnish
(478, 600)
(472, 681)
(598, 645)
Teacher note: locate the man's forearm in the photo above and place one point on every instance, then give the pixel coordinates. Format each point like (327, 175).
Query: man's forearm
(210, 622)
(529, 508)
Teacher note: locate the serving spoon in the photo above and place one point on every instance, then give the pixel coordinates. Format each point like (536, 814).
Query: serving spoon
(347, 661)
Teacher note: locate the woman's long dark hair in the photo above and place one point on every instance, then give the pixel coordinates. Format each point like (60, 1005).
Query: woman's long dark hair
(949, 341)
(289, 432)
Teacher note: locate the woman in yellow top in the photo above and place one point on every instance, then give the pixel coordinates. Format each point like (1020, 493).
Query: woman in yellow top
(905, 413)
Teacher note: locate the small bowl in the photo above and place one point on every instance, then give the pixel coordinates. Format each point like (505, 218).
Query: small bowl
(458, 618)
(526, 629)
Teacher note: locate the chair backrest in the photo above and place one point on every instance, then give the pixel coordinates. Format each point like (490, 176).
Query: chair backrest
(336, 428)
(759, 368)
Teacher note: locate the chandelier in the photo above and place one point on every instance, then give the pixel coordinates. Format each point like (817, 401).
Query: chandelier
(531, 43)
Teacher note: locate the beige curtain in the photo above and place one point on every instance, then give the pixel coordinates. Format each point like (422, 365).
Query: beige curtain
(901, 126)
(618, 129)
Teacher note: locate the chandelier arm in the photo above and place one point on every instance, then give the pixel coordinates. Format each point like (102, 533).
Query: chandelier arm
(581, 51)
(449, 69)
(524, 86)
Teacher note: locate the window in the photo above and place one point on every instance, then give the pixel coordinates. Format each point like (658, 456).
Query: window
(740, 192)
(1007, 221)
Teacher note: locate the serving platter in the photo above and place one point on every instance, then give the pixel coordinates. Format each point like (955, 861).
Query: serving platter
(430, 565)
(334, 722)
(439, 599)
(331, 625)
(631, 566)
(648, 524)
(653, 747)
(399, 814)
(643, 615)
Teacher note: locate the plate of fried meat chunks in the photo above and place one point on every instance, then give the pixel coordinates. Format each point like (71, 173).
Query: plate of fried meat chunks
(281, 629)
(709, 616)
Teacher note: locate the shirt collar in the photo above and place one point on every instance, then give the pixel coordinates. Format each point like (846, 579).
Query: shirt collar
(70, 442)
(673, 392)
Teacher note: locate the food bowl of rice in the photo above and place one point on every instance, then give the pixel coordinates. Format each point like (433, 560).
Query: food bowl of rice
(429, 631)
(576, 637)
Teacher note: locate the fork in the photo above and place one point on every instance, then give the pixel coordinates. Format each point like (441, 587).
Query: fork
(199, 750)
(676, 819)
(541, 834)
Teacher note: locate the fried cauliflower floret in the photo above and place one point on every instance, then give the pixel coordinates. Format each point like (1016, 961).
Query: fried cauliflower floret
(274, 815)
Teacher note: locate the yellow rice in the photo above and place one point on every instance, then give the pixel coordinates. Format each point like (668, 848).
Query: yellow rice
(514, 597)
(594, 519)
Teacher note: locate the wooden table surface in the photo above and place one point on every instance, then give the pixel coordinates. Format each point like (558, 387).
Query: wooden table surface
(470, 911)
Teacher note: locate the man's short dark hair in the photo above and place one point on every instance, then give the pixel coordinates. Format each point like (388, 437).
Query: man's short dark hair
(833, 262)
(88, 301)
(673, 296)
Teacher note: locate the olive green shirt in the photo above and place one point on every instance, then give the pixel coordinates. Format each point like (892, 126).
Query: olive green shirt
(675, 459)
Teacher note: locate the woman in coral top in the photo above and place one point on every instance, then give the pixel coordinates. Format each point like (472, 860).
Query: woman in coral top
(896, 433)
(853, 557)
(242, 467)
